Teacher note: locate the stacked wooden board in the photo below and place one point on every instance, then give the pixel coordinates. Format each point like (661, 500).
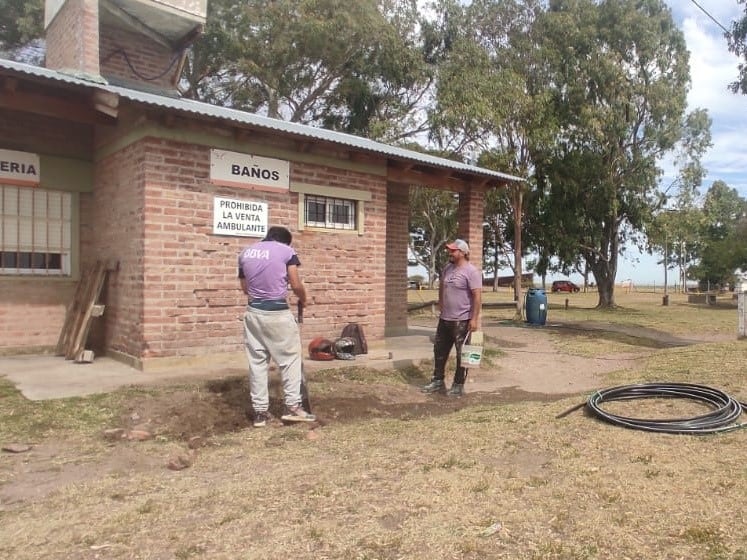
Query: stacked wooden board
(80, 313)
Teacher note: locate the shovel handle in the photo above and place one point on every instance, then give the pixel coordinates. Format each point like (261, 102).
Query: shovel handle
(300, 312)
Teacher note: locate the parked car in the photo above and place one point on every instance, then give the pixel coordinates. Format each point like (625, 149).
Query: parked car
(564, 286)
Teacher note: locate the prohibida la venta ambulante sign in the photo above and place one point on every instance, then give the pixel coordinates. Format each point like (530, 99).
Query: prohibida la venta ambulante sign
(241, 218)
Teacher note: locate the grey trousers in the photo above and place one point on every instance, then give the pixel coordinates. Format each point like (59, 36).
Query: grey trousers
(272, 335)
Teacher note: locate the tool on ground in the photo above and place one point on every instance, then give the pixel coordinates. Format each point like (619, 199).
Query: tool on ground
(305, 402)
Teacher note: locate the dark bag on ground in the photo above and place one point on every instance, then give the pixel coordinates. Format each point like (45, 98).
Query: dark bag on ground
(355, 332)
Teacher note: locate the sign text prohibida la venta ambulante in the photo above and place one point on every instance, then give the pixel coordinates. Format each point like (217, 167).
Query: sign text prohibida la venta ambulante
(239, 217)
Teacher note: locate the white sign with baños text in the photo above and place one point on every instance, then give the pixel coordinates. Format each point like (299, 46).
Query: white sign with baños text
(239, 217)
(244, 170)
(19, 168)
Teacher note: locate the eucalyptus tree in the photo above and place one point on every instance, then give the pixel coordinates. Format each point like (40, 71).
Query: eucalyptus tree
(620, 80)
(738, 45)
(675, 230)
(491, 105)
(357, 66)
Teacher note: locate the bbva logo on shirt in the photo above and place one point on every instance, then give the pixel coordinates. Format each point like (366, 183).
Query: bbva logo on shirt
(257, 254)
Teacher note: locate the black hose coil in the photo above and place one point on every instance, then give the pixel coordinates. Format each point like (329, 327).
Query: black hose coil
(726, 410)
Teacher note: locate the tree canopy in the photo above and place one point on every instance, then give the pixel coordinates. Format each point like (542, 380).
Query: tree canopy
(350, 66)
(620, 79)
(738, 45)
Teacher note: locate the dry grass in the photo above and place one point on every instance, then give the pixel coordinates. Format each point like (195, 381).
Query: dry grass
(504, 480)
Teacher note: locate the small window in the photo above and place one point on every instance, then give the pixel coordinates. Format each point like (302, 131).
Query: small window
(330, 213)
(35, 231)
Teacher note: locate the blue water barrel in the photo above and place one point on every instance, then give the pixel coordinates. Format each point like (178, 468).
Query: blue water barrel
(536, 306)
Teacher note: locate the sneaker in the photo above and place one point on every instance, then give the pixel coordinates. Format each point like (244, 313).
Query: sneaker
(457, 390)
(435, 386)
(261, 419)
(297, 414)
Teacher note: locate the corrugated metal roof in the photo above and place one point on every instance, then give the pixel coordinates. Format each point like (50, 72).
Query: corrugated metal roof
(242, 117)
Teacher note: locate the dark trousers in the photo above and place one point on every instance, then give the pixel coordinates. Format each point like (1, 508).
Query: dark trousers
(449, 334)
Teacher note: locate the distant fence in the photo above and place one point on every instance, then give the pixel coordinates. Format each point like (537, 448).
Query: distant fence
(527, 281)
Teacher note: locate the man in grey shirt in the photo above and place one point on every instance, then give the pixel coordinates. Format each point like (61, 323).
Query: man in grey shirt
(459, 299)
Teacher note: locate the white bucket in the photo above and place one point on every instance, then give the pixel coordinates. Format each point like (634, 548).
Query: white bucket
(471, 355)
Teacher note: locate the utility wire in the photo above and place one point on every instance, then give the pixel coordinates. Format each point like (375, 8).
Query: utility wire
(713, 19)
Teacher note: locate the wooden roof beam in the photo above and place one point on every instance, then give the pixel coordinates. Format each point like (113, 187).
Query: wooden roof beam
(430, 177)
(53, 107)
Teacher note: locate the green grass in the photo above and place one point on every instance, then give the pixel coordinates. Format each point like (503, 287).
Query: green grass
(31, 421)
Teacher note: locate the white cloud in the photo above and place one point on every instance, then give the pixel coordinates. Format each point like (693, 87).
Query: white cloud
(712, 68)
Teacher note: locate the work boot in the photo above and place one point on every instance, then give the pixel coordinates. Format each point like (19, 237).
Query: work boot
(435, 386)
(457, 390)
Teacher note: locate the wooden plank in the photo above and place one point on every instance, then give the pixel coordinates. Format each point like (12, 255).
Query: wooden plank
(71, 315)
(78, 316)
(92, 295)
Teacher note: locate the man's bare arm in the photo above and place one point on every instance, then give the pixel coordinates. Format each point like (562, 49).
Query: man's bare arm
(474, 322)
(294, 279)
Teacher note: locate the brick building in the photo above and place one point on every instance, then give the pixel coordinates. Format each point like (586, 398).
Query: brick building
(97, 164)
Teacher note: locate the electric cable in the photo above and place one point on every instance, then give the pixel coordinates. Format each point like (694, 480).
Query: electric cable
(725, 410)
(713, 19)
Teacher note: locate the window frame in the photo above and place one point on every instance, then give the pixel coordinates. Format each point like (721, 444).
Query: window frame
(52, 254)
(351, 198)
(330, 212)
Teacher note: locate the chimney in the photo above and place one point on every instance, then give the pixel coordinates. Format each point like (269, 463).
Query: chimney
(72, 31)
(140, 44)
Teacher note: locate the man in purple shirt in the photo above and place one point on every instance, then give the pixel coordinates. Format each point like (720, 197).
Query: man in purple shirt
(459, 299)
(270, 330)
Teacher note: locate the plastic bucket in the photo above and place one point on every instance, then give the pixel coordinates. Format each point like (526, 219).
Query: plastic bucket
(471, 355)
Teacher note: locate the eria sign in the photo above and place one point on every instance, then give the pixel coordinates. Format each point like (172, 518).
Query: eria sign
(19, 168)
(239, 217)
(243, 170)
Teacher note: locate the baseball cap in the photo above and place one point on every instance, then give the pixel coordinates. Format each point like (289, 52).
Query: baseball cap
(459, 244)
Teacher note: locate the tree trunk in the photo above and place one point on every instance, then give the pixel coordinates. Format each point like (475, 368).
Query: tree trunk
(518, 203)
(606, 289)
(495, 267)
(604, 273)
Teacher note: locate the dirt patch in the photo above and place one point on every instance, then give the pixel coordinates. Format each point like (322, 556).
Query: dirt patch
(223, 406)
(529, 368)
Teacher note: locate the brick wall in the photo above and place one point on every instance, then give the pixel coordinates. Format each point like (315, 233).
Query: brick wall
(396, 262)
(72, 38)
(116, 236)
(32, 312)
(470, 217)
(191, 298)
(136, 58)
(345, 273)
